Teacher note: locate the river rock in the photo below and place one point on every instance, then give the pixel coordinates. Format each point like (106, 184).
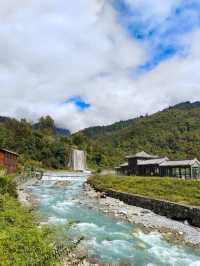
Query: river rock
(62, 184)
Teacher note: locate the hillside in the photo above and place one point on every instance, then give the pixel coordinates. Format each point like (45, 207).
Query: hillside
(45, 143)
(173, 132)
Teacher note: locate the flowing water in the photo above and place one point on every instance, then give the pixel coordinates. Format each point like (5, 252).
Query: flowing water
(107, 238)
(77, 160)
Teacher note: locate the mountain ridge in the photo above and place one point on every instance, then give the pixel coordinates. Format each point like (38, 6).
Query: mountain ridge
(172, 132)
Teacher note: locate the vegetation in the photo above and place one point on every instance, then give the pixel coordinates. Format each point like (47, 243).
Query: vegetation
(173, 132)
(22, 242)
(35, 143)
(171, 189)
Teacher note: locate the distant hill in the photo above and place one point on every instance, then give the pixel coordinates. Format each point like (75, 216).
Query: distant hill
(57, 130)
(3, 119)
(173, 132)
(43, 143)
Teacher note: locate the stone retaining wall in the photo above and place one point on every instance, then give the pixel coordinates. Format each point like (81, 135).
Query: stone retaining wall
(165, 208)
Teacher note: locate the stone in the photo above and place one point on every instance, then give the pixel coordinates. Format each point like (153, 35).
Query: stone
(61, 184)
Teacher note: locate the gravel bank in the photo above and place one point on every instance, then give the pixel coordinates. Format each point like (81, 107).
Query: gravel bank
(24, 195)
(175, 231)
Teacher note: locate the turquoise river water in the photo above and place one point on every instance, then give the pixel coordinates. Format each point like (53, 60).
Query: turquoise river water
(113, 241)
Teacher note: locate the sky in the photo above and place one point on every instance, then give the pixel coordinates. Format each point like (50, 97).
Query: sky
(94, 62)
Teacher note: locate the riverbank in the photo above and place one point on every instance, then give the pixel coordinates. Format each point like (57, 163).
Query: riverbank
(22, 241)
(23, 195)
(174, 231)
(75, 255)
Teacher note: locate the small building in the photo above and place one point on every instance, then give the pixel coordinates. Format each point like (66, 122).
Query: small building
(122, 169)
(133, 161)
(144, 164)
(187, 169)
(150, 167)
(8, 159)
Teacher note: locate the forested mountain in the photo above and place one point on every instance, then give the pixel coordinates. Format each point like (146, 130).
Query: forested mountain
(173, 132)
(40, 143)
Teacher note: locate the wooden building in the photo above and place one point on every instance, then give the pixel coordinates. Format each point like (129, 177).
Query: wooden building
(8, 159)
(186, 169)
(144, 164)
(122, 169)
(134, 169)
(150, 167)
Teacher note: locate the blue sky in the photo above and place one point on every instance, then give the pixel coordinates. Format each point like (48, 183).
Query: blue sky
(94, 62)
(162, 37)
(78, 102)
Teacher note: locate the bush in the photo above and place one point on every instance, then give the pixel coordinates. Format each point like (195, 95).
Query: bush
(8, 185)
(21, 241)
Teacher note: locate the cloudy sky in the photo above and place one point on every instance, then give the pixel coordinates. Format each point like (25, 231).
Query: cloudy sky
(93, 62)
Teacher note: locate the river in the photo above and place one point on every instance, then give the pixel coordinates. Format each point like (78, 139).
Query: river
(110, 239)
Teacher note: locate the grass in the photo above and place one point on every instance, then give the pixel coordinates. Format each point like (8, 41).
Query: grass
(171, 189)
(22, 241)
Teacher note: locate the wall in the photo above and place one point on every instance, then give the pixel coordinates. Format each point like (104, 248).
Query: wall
(165, 208)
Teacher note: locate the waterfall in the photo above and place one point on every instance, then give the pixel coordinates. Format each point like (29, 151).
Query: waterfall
(77, 160)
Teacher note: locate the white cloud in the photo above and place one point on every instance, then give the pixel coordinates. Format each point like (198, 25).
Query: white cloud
(55, 49)
(153, 10)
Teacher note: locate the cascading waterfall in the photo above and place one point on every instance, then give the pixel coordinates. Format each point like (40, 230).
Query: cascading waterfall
(77, 160)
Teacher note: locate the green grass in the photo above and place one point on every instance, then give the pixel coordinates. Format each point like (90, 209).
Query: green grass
(22, 241)
(171, 189)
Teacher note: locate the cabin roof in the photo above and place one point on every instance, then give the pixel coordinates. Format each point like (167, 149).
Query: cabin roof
(152, 161)
(142, 154)
(8, 151)
(180, 163)
(122, 165)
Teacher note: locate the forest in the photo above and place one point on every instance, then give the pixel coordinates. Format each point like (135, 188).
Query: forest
(172, 132)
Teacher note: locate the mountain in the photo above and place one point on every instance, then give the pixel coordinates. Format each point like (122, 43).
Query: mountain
(173, 132)
(62, 131)
(44, 144)
(3, 119)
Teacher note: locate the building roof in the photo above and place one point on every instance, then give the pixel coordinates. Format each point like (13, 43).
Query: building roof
(152, 161)
(122, 165)
(180, 163)
(8, 151)
(143, 154)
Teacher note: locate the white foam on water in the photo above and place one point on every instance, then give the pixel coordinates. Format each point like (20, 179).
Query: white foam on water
(196, 263)
(60, 209)
(66, 204)
(121, 235)
(56, 220)
(119, 249)
(90, 229)
(173, 256)
(118, 246)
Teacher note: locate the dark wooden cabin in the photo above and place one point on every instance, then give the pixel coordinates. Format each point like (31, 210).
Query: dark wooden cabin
(144, 164)
(134, 169)
(8, 159)
(123, 169)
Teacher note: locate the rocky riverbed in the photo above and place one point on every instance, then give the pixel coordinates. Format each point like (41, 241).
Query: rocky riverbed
(67, 198)
(177, 232)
